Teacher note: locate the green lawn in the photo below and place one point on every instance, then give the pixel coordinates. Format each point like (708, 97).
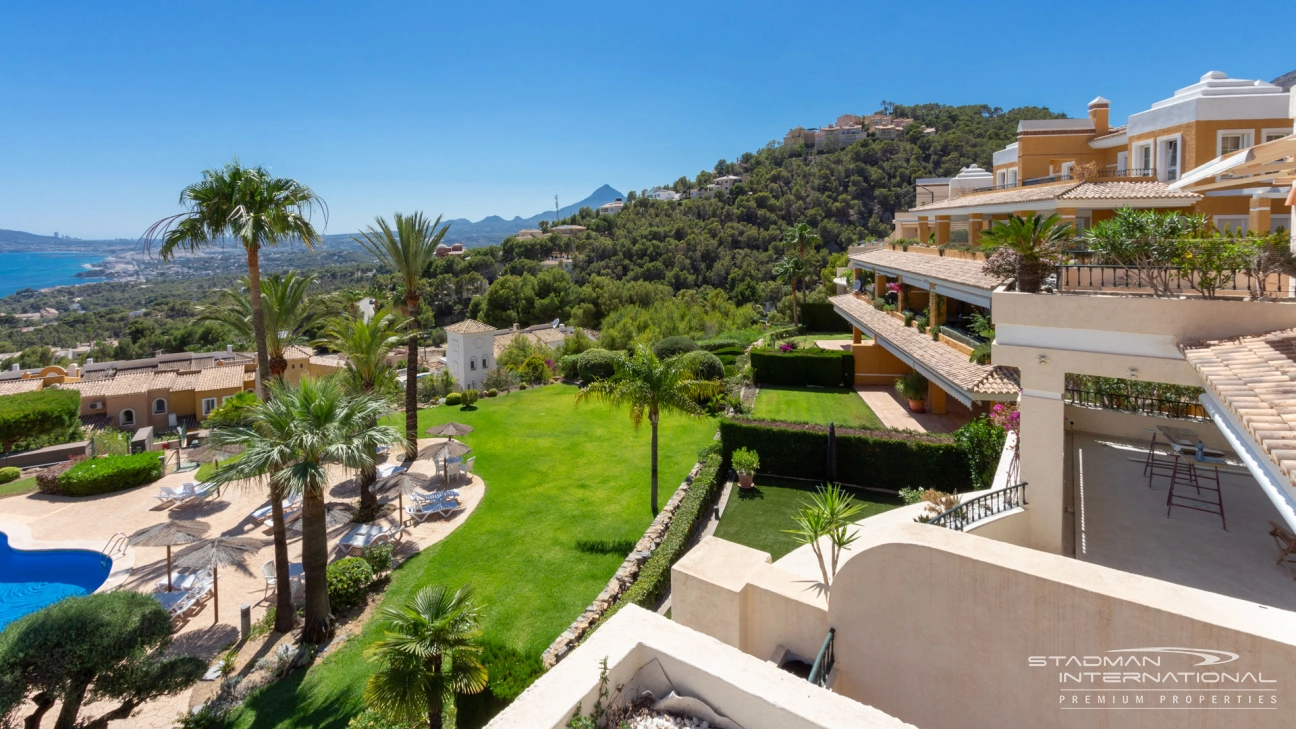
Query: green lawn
(556, 473)
(815, 405)
(15, 488)
(758, 517)
(808, 340)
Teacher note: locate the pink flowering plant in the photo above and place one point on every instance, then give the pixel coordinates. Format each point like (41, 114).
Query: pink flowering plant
(1006, 416)
(893, 288)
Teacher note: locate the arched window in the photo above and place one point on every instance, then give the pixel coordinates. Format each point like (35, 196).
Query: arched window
(127, 417)
(159, 406)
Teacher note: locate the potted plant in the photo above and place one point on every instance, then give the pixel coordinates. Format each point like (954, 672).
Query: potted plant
(745, 461)
(913, 387)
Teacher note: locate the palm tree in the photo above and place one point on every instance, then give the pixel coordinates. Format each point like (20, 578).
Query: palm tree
(288, 308)
(407, 248)
(294, 437)
(1035, 241)
(250, 205)
(650, 386)
(801, 235)
(790, 270)
(427, 655)
(366, 345)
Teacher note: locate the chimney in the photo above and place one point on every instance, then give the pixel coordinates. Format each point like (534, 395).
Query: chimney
(1099, 111)
(229, 348)
(89, 360)
(515, 326)
(72, 370)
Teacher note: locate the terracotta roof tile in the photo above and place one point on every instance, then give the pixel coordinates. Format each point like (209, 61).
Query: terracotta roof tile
(945, 361)
(469, 326)
(298, 352)
(1067, 191)
(13, 387)
(220, 378)
(953, 270)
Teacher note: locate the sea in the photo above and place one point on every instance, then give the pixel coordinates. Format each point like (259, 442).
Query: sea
(38, 270)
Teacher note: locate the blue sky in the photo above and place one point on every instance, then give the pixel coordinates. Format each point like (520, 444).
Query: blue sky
(108, 109)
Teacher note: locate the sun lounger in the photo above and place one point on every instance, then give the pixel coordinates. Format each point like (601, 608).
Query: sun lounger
(202, 492)
(422, 497)
(422, 512)
(289, 504)
(175, 603)
(182, 581)
(365, 535)
(391, 469)
(166, 494)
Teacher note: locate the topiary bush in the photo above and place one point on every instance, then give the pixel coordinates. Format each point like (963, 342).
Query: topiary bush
(9, 473)
(454, 398)
(711, 345)
(569, 366)
(704, 365)
(492, 392)
(468, 398)
(671, 346)
(348, 579)
(111, 473)
(596, 364)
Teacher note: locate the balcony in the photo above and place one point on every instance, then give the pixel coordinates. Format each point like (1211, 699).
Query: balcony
(1099, 176)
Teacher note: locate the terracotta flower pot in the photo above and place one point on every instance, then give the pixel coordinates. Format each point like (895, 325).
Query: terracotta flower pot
(745, 480)
(918, 406)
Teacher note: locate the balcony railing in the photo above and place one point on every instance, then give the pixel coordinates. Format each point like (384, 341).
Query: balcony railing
(1098, 174)
(961, 336)
(823, 664)
(1166, 280)
(1177, 409)
(982, 507)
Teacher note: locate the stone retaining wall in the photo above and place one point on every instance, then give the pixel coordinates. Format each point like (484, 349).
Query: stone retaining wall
(625, 576)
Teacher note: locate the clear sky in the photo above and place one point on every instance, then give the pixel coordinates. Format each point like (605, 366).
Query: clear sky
(107, 109)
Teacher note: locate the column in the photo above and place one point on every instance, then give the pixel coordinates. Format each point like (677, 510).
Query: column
(900, 296)
(975, 221)
(942, 229)
(856, 337)
(1259, 220)
(879, 284)
(1042, 446)
(935, 399)
(922, 230)
(938, 307)
(1068, 216)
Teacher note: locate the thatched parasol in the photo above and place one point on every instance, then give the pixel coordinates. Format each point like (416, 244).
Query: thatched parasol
(211, 554)
(335, 514)
(444, 451)
(450, 430)
(402, 483)
(169, 534)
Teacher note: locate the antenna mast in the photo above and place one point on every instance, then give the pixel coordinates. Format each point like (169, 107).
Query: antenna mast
(555, 208)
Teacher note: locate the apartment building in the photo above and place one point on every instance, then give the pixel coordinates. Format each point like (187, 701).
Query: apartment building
(664, 194)
(1085, 169)
(611, 207)
(473, 347)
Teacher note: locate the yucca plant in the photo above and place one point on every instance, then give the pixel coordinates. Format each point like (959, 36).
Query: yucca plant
(828, 515)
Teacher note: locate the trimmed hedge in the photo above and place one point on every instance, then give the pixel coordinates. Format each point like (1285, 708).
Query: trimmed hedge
(654, 576)
(111, 473)
(38, 413)
(704, 365)
(822, 317)
(882, 459)
(596, 364)
(9, 473)
(800, 368)
(712, 345)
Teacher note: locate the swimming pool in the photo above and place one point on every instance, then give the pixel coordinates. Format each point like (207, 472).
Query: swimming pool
(30, 580)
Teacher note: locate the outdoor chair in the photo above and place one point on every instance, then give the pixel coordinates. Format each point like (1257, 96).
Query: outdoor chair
(184, 580)
(391, 469)
(423, 497)
(175, 603)
(422, 512)
(166, 494)
(468, 466)
(268, 571)
(266, 511)
(202, 492)
(1286, 542)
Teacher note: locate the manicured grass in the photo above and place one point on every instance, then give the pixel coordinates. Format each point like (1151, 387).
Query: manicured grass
(207, 470)
(15, 488)
(808, 340)
(815, 405)
(758, 517)
(555, 473)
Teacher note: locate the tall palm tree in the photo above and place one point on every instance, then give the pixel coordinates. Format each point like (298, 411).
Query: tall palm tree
(650, 387)
(366, 345)
(1035, 241)
(427, 655)
(294, 437)
(407, 248)
(251, 206)
(801, 235)
(288, 307)
(790, 270)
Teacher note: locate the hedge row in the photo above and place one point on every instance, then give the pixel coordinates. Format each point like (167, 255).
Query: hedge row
(882, 459)
(822, 317)
(111, 473)
(803, 367)
(33, 414)
(654, 576)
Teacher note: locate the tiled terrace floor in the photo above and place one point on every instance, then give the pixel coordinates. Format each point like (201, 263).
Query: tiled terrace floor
(894, 413)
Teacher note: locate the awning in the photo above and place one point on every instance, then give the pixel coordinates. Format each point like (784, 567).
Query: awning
(1261, 164)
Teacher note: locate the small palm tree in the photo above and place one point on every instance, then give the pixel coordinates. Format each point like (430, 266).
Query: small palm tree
(254, 208)
(427, 654)
(790, 270)
(650, 386)
(366, 345)
(1036, 241)
(288, 307)
(407, 248)
(295, 436)
(828, 514)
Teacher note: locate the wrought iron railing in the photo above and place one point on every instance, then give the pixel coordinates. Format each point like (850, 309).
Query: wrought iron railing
(982, 507)
(1079, 277)
(1177, 409)
(823, 664)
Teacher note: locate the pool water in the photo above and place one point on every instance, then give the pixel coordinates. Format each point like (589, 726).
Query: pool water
(30, 580)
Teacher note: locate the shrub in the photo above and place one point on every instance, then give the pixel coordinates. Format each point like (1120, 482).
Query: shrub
(347, 581)
(47, 479)
(9, 473)
(37, 414)
(569, 366)
(501, 378)
(509, 672)
(454, 398)
(370, 719)
(596, 364)
(879, 303)
(535, 370)
(111, 473)
(804, 367)
(822, 317)
(982, 441)
(711, 345)
(492, 392)
(745, 461)
(704, 365)
(468, 398)
(522, 386)
(883, 459)
(912, 386)
(379, 557)
(671, 346)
